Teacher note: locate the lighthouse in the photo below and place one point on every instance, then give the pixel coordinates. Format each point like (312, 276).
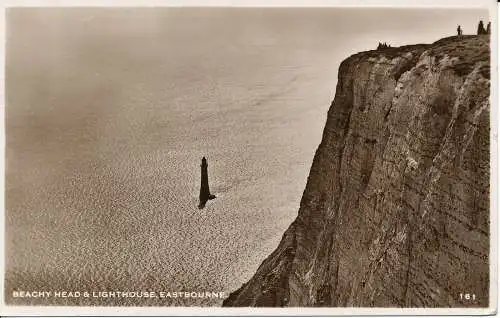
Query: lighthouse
(204, 188)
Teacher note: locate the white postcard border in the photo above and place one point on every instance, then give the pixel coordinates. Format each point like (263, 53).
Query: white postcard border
(246, 311)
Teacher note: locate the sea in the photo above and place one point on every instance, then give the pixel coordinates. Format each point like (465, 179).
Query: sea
(108, 114)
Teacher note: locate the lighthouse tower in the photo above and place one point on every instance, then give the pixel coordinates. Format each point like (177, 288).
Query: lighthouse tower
(204, 188)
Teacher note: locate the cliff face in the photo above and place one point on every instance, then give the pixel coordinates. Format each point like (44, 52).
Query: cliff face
(396, 208)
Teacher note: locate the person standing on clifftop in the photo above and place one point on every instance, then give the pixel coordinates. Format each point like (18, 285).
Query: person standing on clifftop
(480, 28)
(459, 30)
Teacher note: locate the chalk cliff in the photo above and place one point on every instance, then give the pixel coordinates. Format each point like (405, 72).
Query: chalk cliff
(395, 212)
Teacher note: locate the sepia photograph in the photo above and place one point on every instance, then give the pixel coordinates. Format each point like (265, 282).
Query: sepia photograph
(263, 157)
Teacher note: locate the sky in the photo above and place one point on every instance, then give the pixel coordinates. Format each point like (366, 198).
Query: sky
(338, 32)
(90, 33)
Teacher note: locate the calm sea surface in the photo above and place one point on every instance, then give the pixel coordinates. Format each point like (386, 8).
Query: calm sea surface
(108, 115)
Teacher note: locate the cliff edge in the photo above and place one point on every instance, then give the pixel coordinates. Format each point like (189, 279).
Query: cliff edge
(395, 212)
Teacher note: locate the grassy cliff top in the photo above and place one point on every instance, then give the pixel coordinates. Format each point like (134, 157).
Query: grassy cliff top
(469, 49)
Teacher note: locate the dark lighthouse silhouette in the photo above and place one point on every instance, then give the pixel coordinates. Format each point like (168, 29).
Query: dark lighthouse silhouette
(204, 188)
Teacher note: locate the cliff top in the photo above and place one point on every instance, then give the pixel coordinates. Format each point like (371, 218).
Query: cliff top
(467, 49)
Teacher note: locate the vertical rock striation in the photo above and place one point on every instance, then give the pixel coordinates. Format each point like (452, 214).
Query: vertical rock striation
(396, 208)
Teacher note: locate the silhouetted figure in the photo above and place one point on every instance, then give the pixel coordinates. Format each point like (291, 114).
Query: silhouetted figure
(480, 28)
(204, 188)
(459, 31)
(488, 28)
(383, 46)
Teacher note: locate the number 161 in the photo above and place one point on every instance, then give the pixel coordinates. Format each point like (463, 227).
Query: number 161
(467, 296)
